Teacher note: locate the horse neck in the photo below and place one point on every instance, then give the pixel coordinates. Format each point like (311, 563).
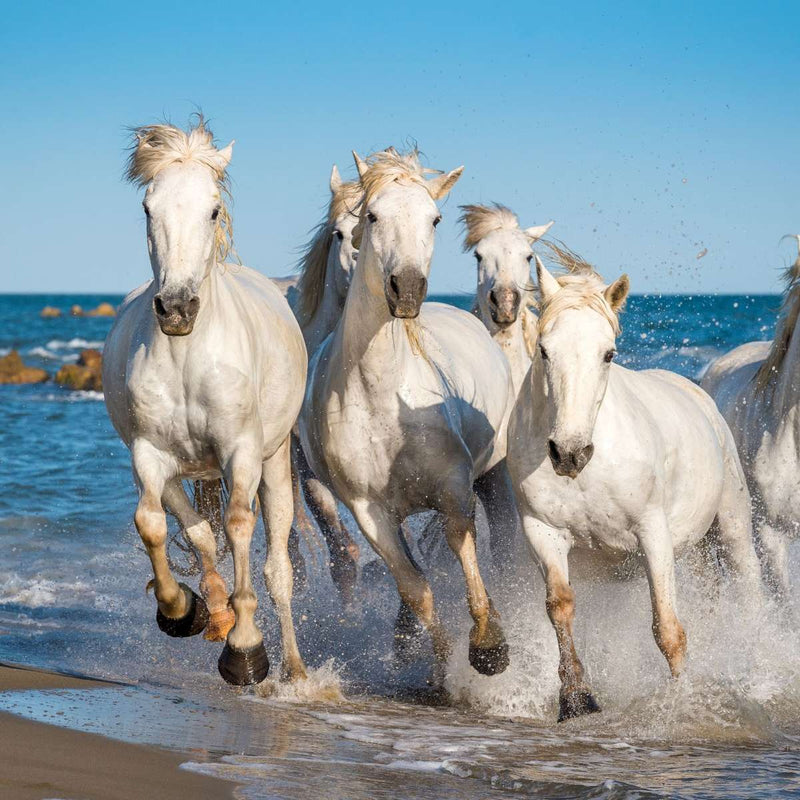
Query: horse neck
(328, 312)
(368, 331)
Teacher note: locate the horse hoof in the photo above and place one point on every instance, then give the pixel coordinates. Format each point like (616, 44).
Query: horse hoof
(191, 623)
(244, 667)
(489, 660)
(576, 704)
(408, 633)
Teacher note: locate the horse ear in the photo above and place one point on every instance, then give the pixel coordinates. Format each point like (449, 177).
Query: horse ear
(537, 231)
(441, 185)
(361, 165)
(617, 293)
(336, 180)
(548, 285)
(224, 156)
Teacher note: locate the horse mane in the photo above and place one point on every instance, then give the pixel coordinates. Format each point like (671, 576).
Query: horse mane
(787, 322)
(581, 287)
(388, 166)
(479, 221)
(313, 264)
(155, 147)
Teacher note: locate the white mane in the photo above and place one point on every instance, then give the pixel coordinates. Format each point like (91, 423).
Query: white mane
(479, 221)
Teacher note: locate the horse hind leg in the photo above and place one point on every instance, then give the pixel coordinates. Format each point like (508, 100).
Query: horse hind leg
(180, 611)
(212, 585)
(277, 509)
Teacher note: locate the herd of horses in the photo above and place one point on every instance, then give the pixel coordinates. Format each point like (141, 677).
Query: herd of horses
(362, 393)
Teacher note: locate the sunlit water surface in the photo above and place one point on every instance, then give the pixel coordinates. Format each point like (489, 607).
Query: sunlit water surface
(72, 596)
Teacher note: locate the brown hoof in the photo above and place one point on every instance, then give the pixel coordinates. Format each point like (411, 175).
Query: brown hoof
(408, 636)
(489, 660)
(576, 704)
(219, 625)
(244, 667)
(192, 623)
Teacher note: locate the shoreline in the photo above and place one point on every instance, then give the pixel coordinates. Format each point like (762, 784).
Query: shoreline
(46, 761)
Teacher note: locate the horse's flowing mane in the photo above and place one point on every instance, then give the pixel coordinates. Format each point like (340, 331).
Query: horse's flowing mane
(156, 147)
(479, 221)
(388, 166)
(313, 264)
(787, 322)
(581, 287)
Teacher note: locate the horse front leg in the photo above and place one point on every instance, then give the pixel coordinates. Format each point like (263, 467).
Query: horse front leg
(551, 549)
(244, 659)
(277, 509)
(656, 542)
(212, 585)
(180, 611)
(488, 650)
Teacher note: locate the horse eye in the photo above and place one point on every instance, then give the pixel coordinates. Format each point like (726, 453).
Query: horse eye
(146, 209)
(478, 257)
(339, 235)
(609, 356)
(437, 221)
(544, 353)
(371, 217)
(215, 214)
(529, 258)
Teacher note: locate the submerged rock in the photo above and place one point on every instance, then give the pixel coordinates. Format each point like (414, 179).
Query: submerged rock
(50, 312)
(14, 370)
(86, 375)
(76, 311)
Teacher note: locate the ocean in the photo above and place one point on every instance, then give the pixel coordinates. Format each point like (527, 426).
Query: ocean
(72, 597)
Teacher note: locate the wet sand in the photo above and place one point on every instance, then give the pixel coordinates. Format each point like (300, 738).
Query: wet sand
(44, 761)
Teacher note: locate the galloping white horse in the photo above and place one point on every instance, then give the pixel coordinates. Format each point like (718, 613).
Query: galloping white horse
(615, 462)
(325, 271)
(757, 390)
(503, 252)
(406, 403)
(204, 372)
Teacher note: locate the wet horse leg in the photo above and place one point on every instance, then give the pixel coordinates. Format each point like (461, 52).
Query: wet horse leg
(277, 509)
(212, 585)
(180, 611)
(488, 650)
(244, 659)
(551, 548)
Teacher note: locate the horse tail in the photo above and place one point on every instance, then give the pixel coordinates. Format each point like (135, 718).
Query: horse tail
(210, 501)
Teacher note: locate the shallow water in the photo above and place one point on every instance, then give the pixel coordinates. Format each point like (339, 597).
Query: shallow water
(72, 596)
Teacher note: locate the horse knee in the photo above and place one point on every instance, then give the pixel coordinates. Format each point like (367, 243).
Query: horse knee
(239, 518)
(151, 523)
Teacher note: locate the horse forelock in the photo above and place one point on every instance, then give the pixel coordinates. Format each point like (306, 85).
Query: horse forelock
(787, 323)
(156, 147)
(479, 221)
(390, 166)
(313, 264)
(577, 292)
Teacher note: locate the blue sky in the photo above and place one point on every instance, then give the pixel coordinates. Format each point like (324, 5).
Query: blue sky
(648, 131)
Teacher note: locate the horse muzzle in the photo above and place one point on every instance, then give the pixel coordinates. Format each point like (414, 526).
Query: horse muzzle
(405, 291)
(504, 306)
(176, 312)
(569, 461)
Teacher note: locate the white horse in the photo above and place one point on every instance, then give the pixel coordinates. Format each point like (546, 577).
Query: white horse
(502, 301)
(612, 462)
(757, 390)
(318, 302)
(406, 403)
(204, 373)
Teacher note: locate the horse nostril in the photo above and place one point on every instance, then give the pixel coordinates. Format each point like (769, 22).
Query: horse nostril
(158, 305)
(492, 298)
(194, 305)
(394, 285)
(553, 448)
(586, 454)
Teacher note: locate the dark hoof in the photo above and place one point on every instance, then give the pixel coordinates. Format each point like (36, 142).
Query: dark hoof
(489, 660)
(244, 667)
(576, 704)
(192, 623)
(408, 636)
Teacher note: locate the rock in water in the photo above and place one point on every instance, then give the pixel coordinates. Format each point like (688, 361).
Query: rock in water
(86, 375)
(49, 312)
(76, 311)
(13, 370)
(103, 310)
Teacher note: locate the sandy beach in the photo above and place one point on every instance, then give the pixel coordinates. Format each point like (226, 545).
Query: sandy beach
(44, 761)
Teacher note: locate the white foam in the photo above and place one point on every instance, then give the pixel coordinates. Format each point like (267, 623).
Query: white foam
(74, 344)
(44, 592)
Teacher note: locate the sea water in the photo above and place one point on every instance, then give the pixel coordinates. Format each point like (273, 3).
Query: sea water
(72, 596)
